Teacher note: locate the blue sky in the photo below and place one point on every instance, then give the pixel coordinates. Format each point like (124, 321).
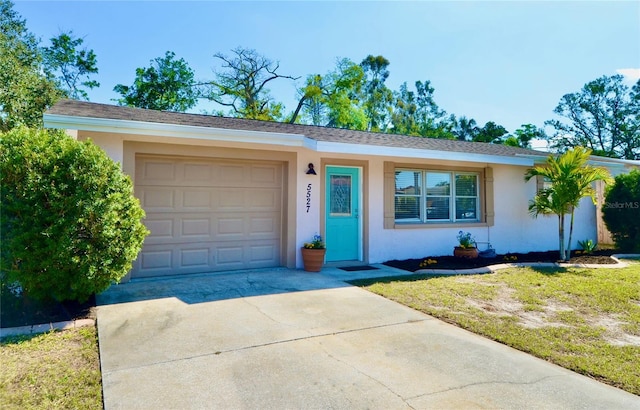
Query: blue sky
(508, 62)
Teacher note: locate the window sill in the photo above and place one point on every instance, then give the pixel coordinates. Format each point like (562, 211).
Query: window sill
(414, 225)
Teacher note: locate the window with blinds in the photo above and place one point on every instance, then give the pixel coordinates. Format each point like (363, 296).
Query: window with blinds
(436, 196)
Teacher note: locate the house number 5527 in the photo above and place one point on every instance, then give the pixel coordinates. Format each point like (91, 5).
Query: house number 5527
(308, 197)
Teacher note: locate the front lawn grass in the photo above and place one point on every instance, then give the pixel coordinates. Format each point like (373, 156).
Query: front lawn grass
(56, 370)
(587, 320)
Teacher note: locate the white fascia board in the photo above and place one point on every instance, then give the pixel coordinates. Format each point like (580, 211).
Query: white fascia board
(175, 131)
(614, 162)
(342, 148)
(611, 163)
(613, 167)
(535, 158)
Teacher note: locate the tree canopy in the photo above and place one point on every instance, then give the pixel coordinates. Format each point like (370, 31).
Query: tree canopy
(25, 91)
(241, 84)
(416, 113)
(71, 67)
(334, 99)
(32, 78)
(523, 136)
(167, 84)
(603, 116)
(491, 132)
(377, 97)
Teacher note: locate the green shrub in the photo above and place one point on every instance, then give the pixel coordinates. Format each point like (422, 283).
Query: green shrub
(70, 223)
(621, 211)
(587, 246)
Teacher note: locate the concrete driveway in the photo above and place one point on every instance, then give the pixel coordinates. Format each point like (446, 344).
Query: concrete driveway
(283, 339)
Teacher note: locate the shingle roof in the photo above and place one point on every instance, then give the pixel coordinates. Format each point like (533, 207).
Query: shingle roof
(106, 111)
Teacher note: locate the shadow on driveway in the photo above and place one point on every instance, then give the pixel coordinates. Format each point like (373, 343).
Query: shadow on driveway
(201, 288)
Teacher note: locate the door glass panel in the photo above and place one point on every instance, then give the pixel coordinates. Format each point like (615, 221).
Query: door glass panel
(340, 195)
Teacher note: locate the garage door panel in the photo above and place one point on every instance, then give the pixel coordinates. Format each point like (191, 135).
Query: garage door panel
(248, 200)
(263, 253)
(171, 228)
(194, 227)
(160, 229)
(267, 175)
(156, 199)
(230, 227)
(157, 170)
(229, 199)
(162, 260)
(247, 226)
(263, 226)
(264, 200)
(166, 259)
(162, 199)
(233, 173)
(199, 257)
(186, 172)
(154, 259)
(247, 255)
(244, 199)
(230, 254)
(163, 227)
(208, 215)
(195, 199)
(197, 173)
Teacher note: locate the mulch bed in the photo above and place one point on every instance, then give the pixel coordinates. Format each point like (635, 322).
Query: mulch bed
(451, 262)
(24, 311)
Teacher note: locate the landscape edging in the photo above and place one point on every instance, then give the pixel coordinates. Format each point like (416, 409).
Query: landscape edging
(497, 267)
(45, 327)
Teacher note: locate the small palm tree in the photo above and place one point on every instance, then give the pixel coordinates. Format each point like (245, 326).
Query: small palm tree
(571, 180)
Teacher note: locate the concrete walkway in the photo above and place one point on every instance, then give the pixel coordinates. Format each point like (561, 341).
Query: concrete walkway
(283, 339)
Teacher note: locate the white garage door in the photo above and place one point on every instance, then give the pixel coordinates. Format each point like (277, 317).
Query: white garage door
(208, 215)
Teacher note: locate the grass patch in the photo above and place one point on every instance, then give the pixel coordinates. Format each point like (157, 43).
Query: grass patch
(587, 320)
(51, 370)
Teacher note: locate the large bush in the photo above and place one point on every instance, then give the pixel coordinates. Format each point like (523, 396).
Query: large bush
(70, 223)
(621, 211)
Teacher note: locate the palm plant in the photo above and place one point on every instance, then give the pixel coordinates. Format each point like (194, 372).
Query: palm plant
(571, 179)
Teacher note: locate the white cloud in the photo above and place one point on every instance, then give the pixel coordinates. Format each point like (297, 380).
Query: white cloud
(631, 74)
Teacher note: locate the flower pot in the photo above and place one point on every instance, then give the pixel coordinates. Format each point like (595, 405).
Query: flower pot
(313, 259)
(467, 253)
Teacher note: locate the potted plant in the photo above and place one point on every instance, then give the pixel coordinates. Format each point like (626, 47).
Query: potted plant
(467, 248)
(313, 254)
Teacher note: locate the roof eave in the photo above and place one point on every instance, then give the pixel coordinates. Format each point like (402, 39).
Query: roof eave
(611, 163)
(119, 126)
(108, 125)
(387, 151)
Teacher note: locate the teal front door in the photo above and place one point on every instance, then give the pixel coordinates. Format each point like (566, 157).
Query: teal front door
(342, 226)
